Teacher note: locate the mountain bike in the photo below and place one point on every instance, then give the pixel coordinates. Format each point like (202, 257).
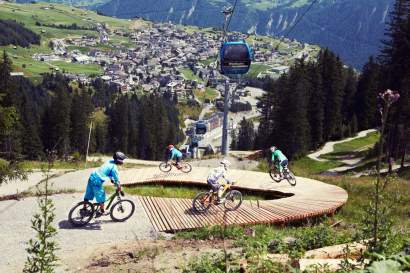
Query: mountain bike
(166, 166)
(275, 174)
(203, 200)
(83, 212)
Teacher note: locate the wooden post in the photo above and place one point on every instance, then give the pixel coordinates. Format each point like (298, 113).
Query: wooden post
(88, 144)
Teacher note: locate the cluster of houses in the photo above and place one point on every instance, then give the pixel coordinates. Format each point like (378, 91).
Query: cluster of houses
(158, 55)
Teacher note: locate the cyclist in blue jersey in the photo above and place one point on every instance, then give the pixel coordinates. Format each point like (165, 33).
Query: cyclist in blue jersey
(108, 171)
(174, 153)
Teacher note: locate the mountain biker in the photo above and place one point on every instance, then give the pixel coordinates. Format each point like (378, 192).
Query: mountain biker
(280, 159)
(108, 170)
(217, 173)
(174, 153)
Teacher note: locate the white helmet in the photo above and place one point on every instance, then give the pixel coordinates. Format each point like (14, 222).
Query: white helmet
(226, 163)
(273, 148)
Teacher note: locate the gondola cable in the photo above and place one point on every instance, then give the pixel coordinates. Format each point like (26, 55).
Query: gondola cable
(297, 22)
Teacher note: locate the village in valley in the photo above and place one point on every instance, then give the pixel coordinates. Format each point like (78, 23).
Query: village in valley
(166, 57)
(142, 57)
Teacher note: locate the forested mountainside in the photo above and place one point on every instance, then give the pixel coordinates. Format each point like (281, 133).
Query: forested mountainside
(318, 102)
(14, 33)
(56, 114)
(351, 28)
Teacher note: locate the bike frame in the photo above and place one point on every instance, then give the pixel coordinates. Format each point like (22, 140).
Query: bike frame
(225, 186)
(276, 168)
(110, 199)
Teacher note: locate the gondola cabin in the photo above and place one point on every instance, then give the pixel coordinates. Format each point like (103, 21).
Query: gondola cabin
(235, 57)
(200, 127)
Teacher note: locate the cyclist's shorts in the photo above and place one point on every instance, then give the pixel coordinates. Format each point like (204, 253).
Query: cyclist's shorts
(214, 184)
(284, 163)
(94, 190)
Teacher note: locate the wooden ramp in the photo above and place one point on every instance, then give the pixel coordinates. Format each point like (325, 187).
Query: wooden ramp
(309, 198)
(174, 214)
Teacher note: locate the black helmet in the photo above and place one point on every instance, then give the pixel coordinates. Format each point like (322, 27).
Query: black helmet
(119, 157)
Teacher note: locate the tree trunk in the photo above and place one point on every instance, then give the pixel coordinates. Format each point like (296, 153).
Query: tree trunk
(403, 156)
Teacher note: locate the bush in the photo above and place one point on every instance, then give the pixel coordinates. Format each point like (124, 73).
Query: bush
(214, 232)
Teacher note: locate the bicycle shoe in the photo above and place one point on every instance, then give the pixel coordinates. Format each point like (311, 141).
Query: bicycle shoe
(99, 213)
(84, 212)
(220, 201)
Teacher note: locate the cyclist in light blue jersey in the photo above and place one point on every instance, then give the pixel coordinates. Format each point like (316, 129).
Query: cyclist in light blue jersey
(174, 153)
(108, 171)
(280, 159)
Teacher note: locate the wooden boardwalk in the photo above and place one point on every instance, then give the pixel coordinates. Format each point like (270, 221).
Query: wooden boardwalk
(309, 198)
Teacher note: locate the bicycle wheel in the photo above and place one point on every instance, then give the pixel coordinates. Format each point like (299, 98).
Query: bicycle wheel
(291, 178)
(274, 175)
(233, 200)
(122, 210)
(165, 167)
(202, 202)
(186, 167)
(81, 214)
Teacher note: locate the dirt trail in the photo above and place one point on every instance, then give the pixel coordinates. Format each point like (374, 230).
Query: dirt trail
(329, 146)
(76, 245)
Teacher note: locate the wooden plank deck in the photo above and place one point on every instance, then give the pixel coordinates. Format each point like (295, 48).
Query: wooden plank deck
(173, 214)
(310, 198)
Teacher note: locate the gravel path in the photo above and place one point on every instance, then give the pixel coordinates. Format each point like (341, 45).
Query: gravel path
(33, 178)
(329, 146)
(75, 245)
(129, 160)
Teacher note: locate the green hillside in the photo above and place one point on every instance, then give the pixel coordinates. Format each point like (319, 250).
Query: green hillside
(36, 16)
(77, 3)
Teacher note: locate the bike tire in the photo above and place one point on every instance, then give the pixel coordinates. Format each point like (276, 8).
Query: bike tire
(230, 198)
(165, 167)
(81, 220)
(202, 202)
(186, 167)
(272, 174)
(291, 178)
(119, 206)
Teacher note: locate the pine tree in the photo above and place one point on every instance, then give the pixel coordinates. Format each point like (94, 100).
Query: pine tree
(81, 110)
(316, 106)
(294, 129)
(234, 141)
(331, 71)
(8, 171)
(348, 107)
(266, 103)
(395, 56)
(56, 121)
(367, 89)
(31, 141)
(10, 144)
(246, 135)
(118, 126)
(5, 78)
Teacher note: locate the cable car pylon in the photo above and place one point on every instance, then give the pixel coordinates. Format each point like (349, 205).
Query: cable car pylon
(235, 59)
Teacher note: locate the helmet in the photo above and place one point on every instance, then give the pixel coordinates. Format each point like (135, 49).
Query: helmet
(273, 148)
(170, 147)
(119, 157)
(226, 163)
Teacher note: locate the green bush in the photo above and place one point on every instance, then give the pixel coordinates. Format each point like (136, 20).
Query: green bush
(270, 239)
(214, 232)
(208, 263)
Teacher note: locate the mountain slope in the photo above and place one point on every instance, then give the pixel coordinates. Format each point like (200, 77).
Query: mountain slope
(352, 28)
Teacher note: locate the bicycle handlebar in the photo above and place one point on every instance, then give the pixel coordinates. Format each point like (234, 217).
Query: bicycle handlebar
(118, 187)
